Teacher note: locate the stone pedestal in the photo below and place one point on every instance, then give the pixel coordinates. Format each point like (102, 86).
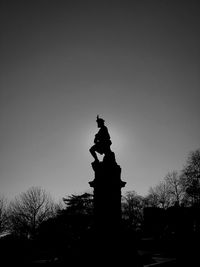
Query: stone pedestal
(110, 240)
(107, 186)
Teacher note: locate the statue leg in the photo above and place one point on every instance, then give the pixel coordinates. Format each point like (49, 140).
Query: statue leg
(93, 153)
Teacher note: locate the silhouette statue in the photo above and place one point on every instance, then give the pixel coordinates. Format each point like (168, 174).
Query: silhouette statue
(102, 143)
(109, 240)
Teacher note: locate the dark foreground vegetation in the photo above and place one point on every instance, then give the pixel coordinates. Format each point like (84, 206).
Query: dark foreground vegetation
(162, 228)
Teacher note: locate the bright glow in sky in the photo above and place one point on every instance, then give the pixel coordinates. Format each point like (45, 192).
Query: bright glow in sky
(136, 63)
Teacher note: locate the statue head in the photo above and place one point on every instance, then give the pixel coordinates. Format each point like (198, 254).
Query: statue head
(99, 121)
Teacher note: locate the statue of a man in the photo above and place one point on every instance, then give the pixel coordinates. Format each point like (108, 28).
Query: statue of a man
(102, 140)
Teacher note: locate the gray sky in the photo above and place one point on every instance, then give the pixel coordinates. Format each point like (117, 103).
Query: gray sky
(136, 63)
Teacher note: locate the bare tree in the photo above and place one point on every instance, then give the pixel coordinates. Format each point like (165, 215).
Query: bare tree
(29, 210)
(190, 177)
(159, 196)
(152, 199)
(3, 214)
(175, 189)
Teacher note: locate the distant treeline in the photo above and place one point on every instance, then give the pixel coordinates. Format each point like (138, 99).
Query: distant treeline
(33, 214)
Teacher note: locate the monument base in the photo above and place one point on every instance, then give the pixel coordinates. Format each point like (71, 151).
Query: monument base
(107, 186)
